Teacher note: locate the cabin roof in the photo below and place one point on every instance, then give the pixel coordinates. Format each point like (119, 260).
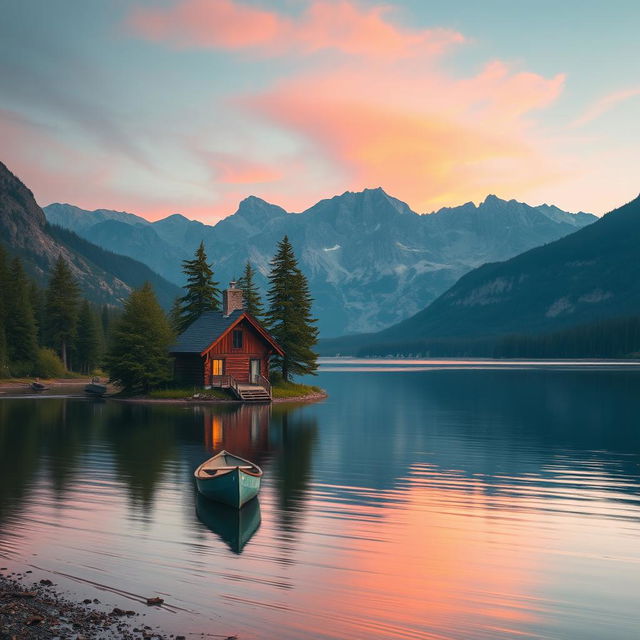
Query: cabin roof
(205, 330)
(202, 334)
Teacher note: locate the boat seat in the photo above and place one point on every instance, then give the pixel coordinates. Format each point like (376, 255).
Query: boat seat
(212, 472)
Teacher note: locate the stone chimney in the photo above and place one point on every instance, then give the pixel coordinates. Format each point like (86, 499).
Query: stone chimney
(232, 300)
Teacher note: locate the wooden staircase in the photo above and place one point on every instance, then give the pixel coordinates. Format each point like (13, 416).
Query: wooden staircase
(260, 392)
(252, 393)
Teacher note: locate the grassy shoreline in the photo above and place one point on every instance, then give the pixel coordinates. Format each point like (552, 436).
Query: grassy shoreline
(282, 392)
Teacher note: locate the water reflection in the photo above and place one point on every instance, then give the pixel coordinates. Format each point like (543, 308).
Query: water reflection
(431, 504)
(234, 526)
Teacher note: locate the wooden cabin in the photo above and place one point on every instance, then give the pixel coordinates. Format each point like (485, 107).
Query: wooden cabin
(226, 349)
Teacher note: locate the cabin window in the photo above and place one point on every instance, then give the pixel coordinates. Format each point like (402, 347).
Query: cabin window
(216, 367)
(237, 339)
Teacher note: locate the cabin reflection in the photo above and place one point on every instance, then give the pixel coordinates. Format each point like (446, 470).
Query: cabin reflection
(244, 431)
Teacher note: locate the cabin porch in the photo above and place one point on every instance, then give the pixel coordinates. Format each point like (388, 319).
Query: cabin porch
(258, 391)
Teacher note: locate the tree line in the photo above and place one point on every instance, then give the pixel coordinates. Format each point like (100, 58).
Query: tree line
(48, 332)
(606, 338)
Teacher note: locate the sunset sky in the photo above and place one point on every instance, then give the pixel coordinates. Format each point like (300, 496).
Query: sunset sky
(191, 105)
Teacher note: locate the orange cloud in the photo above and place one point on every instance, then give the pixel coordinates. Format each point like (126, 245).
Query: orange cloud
(341, 25)
(429, 138)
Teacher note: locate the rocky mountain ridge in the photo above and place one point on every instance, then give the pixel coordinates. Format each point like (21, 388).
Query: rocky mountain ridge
(103, 276)
(590, 276)
(371, 261)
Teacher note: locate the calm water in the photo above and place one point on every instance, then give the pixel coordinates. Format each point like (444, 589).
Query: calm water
(420, 500)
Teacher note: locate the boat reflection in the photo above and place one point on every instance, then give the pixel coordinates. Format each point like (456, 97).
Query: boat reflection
(234, 526)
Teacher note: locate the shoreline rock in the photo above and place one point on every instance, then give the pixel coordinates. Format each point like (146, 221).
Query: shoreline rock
(37, 611)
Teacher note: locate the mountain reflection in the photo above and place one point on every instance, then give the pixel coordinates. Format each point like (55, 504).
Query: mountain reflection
(514, 422)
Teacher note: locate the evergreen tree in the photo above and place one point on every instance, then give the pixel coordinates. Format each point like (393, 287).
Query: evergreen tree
(138, 358)
(174, 315)
(252, 301)
(107, 315)
(88, 343)
(202, 292)
(61, 309)
(105, 319)
(4, 284)
(289, 316)
(37, 297)
(4, 359)
(20, 325)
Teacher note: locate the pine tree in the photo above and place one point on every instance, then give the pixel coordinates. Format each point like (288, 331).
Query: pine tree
(289, 316)
(87, 344)
(252, 301)
(105, 319)
(61, 309)
(4, 285)
(202, 292)
(38, 301)
(4, 359)
(20, 325)
(174, 315)
(138, 358)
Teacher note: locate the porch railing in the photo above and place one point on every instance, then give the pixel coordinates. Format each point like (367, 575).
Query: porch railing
(261, 380)
(225, 382)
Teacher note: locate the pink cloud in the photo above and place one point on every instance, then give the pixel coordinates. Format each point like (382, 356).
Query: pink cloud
(603, 105)
(230, 168)
(429, 138)
(340, 25)
(57, 171)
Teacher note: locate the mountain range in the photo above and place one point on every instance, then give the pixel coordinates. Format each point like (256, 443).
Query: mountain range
(371, 261)
(587, 277)
(104, 277)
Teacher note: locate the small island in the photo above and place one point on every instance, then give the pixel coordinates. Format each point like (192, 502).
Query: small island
(212, 350)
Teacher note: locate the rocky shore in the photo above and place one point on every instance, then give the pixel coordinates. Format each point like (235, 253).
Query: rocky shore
(36, 611)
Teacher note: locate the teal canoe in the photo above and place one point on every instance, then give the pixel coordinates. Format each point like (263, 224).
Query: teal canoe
(228, 479)
(234, 526)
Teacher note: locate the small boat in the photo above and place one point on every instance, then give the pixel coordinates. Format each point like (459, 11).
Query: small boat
(95, 388)
(234, 526)
(229, 479)
(38, 386)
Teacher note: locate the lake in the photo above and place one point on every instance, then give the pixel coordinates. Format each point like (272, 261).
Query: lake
(422, 499)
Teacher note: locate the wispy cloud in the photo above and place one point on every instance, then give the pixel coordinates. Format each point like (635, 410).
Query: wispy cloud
(339, 25)
(374, 103)
(603, 105)
(26, 86)
(230, 168)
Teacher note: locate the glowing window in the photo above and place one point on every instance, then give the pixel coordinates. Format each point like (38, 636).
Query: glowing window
(216, 367)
